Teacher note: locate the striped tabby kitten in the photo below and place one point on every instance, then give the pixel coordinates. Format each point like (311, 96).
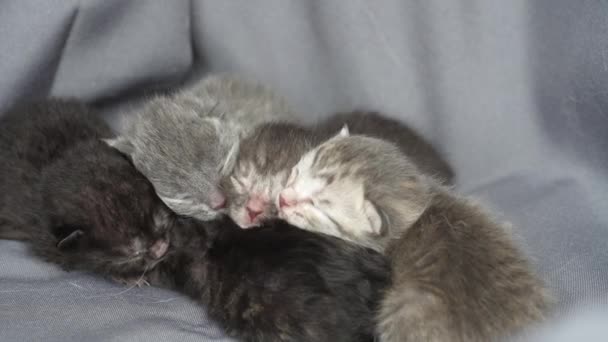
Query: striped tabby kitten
(186, 142)
(457, 276)
(267, 156)
(263, 165)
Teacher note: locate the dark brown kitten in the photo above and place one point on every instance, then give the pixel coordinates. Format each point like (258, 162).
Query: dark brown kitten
(101, 214)
(32, 135)
(39, 132)
(19, 197)
(428, 160)
(276, 282)
(78, 202)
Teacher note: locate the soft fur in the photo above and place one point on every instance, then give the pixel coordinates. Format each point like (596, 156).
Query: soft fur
(457, 274)
(38, 132)
(265, 160)
(79, 203)
(32, 135)
(186, 142)
(109, 213)
(413, 145)
(276, 282)
(338, 187)
(458, 277)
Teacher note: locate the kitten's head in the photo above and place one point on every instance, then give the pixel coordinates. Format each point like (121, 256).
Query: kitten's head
(103, 213)
(261, 170)
(183, 155)
(359, 188)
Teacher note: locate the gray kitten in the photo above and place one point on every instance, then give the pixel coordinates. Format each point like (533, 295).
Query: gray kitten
(263, 165)
(243, 105)
(457, 276)
(186, 142)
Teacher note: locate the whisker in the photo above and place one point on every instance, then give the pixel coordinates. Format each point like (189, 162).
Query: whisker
(125, 290)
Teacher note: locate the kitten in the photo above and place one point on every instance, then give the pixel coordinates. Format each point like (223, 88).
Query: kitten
(17, 194)
(100, 214)
(276, 282)
(262, 167)
(78, 202)
(457, 275)
(267, 156)
(186, 142)
(38, 132)
(32, 135)
(376, 125)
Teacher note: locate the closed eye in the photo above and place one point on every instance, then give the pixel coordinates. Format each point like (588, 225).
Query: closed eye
(292, 177)
(324, 202)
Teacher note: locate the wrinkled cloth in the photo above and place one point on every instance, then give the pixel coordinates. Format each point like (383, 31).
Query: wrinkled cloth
(513, 93)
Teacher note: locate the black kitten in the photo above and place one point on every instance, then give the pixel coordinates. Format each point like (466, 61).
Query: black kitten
(102, 214)
(79, 202)
(32, 135)
(276, 282)
(413, 145)
(39, 132)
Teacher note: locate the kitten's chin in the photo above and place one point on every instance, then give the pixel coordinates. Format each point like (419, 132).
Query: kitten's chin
(247, 225)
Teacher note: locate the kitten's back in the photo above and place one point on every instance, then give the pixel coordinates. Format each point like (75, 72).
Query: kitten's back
(458, 277)
(239, 100)
(19, 197)
(39, 132)
(413, 145)
(32, 136)
(280, 283)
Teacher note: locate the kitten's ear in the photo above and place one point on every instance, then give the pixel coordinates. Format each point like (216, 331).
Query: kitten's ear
(68, 238)
(230, 160)
(120, 143)
(373, 217)
(344, 132)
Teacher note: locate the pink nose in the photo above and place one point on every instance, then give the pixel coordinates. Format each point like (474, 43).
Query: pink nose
(253, 213)
(159, 248)
(282, 201)
(256, 206)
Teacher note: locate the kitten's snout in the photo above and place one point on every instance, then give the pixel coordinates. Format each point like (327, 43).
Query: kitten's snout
(255, 207)
(287, 198)
(159, 249)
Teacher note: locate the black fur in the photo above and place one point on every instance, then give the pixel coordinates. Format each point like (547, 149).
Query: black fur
(32, 135)
(276, 282)
(95, 191)
(39, 132)
(79, 203)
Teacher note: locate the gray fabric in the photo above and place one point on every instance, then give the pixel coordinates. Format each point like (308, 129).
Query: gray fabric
(513, 92)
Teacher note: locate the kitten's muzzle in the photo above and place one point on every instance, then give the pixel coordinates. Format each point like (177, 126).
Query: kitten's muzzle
(159, 249)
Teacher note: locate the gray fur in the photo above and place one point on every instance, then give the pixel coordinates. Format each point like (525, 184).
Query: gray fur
(185, 142)
(241, 104)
